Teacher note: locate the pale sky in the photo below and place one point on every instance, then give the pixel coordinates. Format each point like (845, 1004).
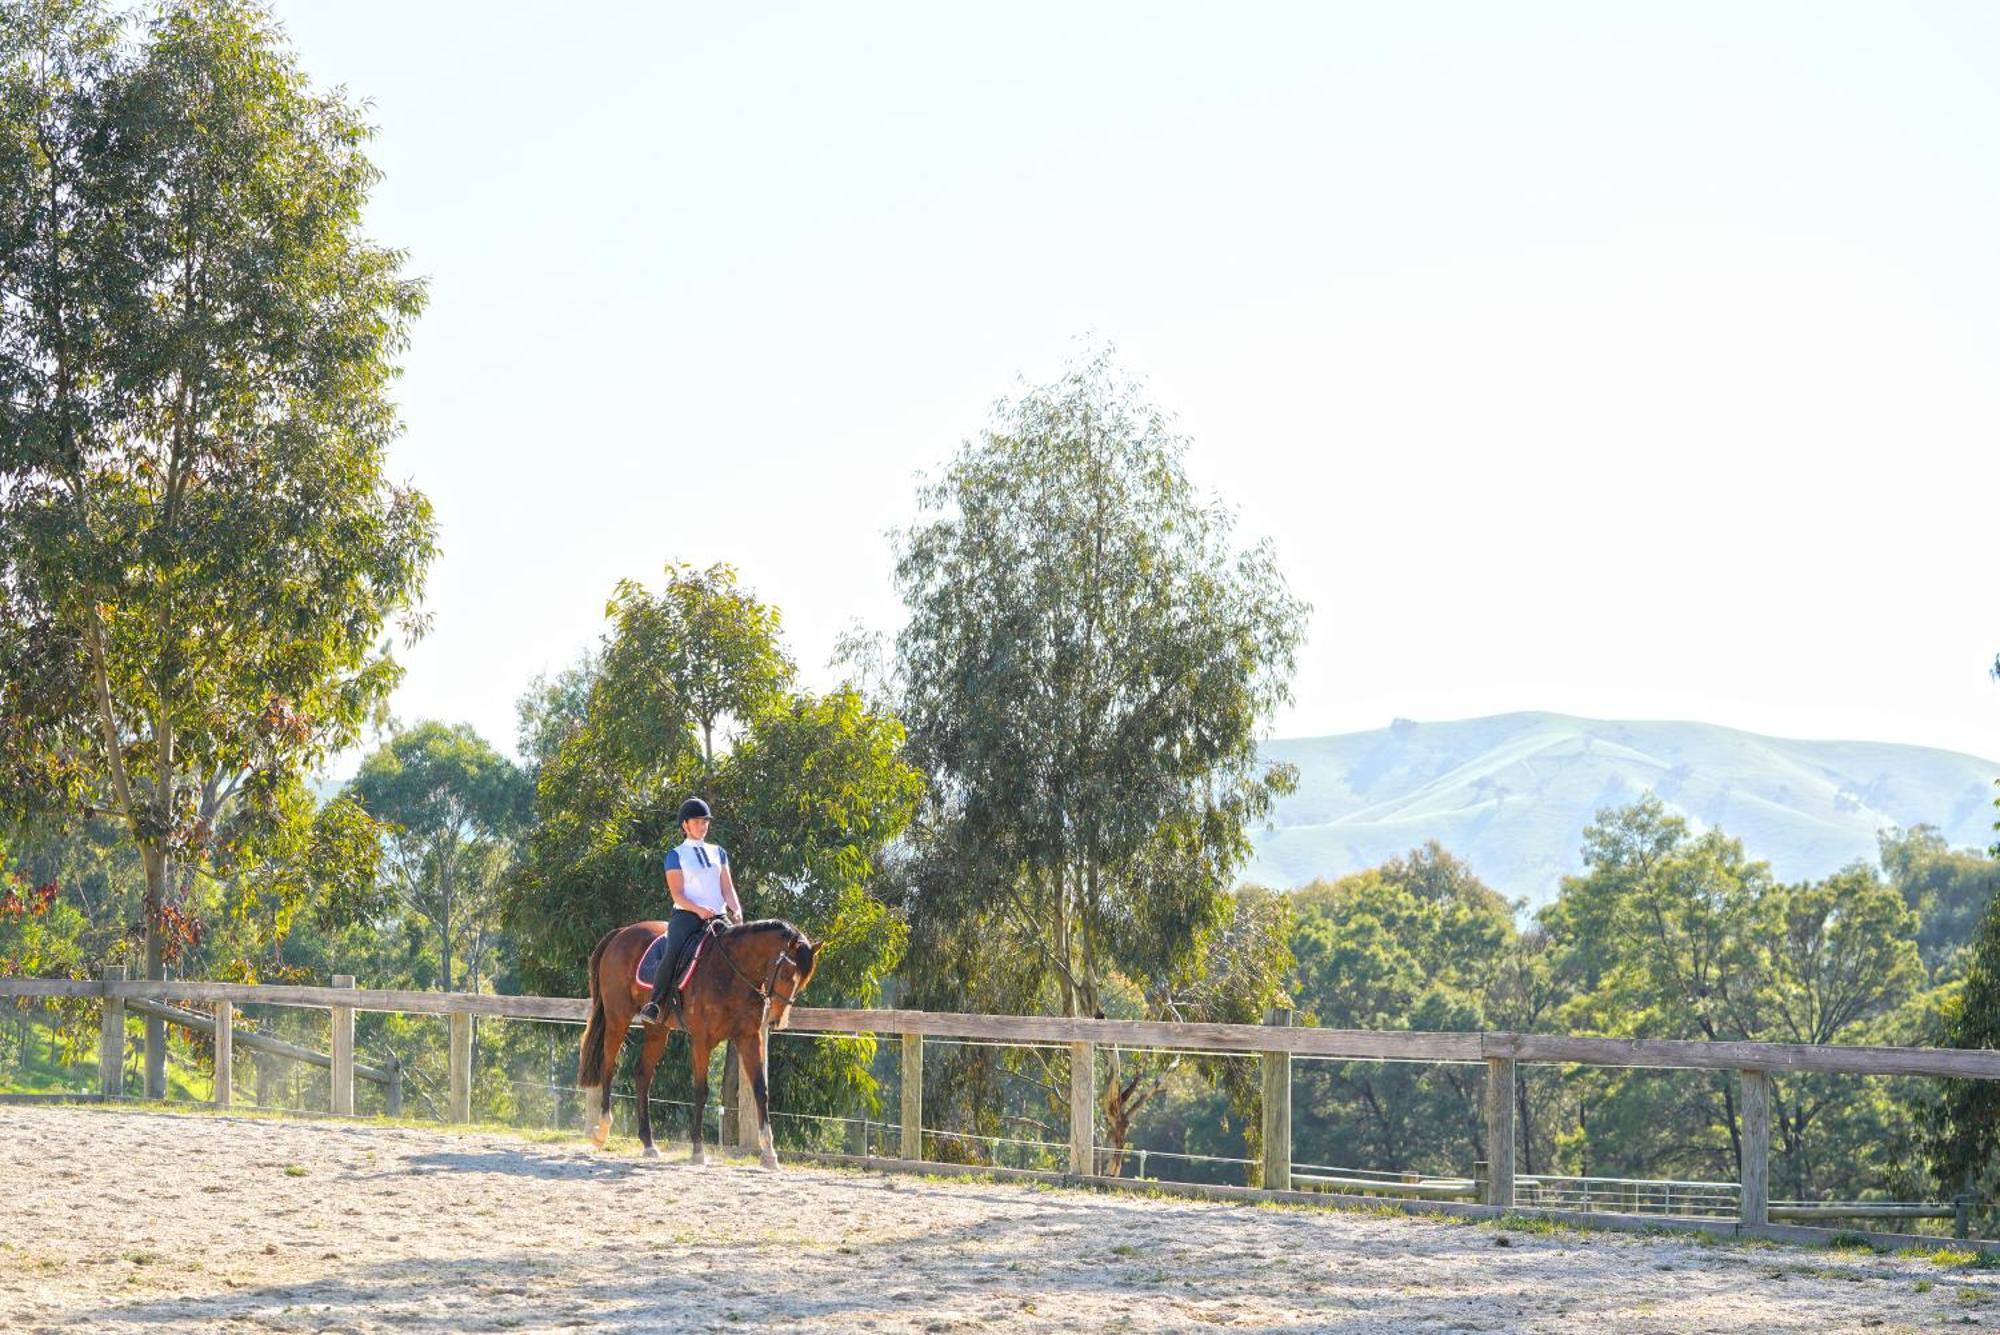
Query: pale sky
(1621, 362)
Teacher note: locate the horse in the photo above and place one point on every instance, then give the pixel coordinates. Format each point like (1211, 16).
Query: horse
(743, 986)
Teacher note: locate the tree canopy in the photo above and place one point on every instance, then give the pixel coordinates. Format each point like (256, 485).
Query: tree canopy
(199, 548)
(452, 808)
(1087, 661)
(808, 791)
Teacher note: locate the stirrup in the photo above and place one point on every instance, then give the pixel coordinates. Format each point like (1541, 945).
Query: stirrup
(650, 1012)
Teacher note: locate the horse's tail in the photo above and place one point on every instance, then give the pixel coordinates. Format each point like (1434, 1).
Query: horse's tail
(590, 1062)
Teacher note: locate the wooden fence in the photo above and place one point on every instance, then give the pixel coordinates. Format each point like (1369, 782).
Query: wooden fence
(1275, 1044)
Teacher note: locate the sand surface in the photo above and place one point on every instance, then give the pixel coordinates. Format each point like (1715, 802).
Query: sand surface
(116, 1220)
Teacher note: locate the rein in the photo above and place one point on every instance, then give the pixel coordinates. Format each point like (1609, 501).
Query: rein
(768, 989)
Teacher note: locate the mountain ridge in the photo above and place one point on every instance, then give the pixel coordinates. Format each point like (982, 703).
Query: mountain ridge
(1511, 794)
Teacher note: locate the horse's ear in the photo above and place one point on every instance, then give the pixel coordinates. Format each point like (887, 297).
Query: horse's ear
(808, 957)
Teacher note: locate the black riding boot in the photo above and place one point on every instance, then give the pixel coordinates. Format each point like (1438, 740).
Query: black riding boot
(681, 928)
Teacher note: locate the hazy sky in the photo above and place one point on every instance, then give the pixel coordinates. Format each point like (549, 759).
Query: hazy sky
(1633, 364)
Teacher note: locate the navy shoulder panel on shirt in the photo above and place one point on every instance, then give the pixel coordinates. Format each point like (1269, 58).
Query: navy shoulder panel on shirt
(673, 859)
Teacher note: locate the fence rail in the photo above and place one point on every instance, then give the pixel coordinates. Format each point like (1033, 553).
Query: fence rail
(1276, 1043)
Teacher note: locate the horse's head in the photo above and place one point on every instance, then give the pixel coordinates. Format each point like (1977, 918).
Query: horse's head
(778, 960)
(795, 970)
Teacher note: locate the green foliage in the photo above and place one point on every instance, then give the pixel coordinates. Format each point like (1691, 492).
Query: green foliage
(1418, 943)
(1948, 889)
(199, 549)
(1667, 932)
(703, 644)
(1370, 945)
(1961, 1124)
(451, 808)
(808, 791)
(1085, 666)
(1086, 663)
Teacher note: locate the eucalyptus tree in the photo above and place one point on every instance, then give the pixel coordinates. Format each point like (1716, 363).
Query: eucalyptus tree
(702, 642)
(1417, 943)
(1086, 665)
(1961, 1119)
(452, 809)
(199, 547)
(692, 690)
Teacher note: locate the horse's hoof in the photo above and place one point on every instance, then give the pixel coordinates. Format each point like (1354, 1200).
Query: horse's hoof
(697, 1158)
(652, 1151)
(600, 1133)
(770, 1161)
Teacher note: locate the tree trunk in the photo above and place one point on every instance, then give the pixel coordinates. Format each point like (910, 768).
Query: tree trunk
(1065, 977)
(157, 871)
(444, 916)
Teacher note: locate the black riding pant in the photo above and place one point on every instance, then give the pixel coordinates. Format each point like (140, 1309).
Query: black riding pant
(682, 928)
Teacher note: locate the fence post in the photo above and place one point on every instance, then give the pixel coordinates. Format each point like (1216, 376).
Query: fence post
(395, 1095)
(728, 1100)
(1500, 1077)
(343, 1051)
(913, 1096)
(225, 1053)
(1083, 1109)
(1756, 1087)
(461, 1066)
(1961, 1215)
(1278, 1108)
(111, 1046)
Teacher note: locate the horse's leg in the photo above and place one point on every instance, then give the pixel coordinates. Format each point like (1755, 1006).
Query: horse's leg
(698, 1050)
(649, 1058)
(617, 1019)
(750, 1052)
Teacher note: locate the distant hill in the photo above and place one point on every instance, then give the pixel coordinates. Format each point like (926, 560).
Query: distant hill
(1511, 794)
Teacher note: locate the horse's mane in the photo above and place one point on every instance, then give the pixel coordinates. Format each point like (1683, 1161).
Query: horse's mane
(763, 925)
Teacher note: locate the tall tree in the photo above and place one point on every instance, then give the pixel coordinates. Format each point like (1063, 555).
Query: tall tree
(1949, 890)
(809, 792)
(703, 643)
(1417, 943)
(1087, 661)
(199, 549)
(1086, 664)
(453, 808)
(1961, 1125)
(1674, 934)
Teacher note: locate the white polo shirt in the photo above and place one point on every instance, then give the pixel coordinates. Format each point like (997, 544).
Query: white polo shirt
(700, 864)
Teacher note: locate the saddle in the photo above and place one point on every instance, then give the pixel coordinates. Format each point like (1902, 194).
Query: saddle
(650, 963)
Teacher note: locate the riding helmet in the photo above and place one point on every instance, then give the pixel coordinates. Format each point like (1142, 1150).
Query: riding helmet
(695, 809)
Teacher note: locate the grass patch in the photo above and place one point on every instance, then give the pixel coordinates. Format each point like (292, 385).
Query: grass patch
(1530, 1223)
(1849, 1241)
(294, 1170)
(1943, 1257)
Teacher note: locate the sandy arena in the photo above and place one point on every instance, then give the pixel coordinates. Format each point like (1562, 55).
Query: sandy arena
(116, 1220)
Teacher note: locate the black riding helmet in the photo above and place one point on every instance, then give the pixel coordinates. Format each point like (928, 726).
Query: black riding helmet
(695, 809)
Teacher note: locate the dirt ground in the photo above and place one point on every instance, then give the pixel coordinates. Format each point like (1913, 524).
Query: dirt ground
(117, 1220)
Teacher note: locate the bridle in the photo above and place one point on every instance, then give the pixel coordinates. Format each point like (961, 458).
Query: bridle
(768, 989)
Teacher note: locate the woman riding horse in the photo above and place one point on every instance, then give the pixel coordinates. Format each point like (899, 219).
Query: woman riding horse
(742, 985)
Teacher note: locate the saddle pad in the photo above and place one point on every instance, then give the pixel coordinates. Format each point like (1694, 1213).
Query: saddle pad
(649, 963)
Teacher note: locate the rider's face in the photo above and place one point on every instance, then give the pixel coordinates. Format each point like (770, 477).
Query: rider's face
(695, 827)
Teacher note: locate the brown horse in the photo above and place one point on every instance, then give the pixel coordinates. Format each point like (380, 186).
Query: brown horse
(743, 987)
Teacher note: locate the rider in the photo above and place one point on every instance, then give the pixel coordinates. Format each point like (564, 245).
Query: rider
(698, 880)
